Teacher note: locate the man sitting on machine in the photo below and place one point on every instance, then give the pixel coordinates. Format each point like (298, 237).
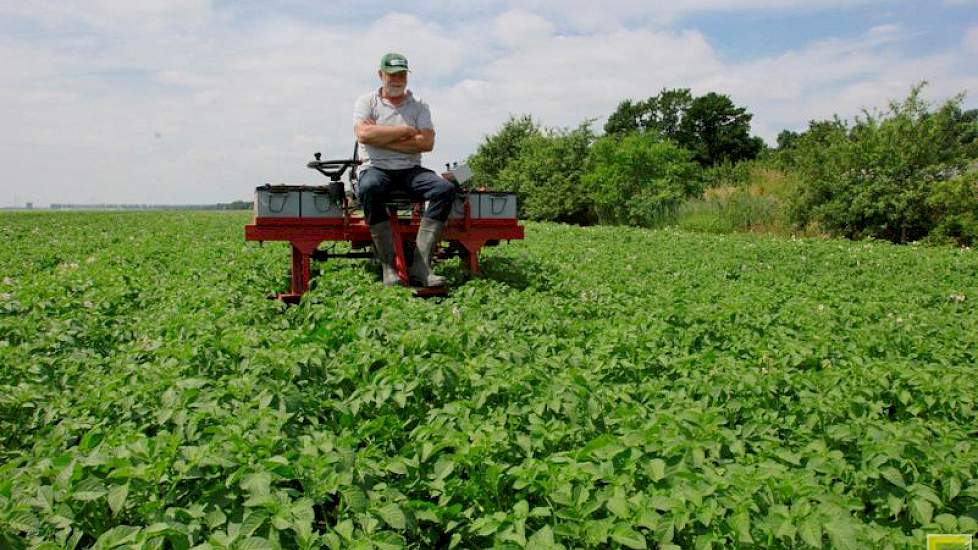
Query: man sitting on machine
(393, 128)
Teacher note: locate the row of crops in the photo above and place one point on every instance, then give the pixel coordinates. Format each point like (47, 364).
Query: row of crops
(600, 388)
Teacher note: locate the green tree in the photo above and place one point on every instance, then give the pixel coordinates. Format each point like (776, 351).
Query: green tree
(884, 177)
(636, 178)
(660, 114)
(953, 204)
(787, 139)
(825, 131)
(547, 175)
(716, 130)
(962, 129)
(628, 117)
(818, 135)
(499, 149)
(711, 126)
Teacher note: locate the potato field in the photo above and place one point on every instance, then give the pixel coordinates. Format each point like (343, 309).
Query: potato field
(601, 387)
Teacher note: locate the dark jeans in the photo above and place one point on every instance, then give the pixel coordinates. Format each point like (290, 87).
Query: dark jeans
(419, 183)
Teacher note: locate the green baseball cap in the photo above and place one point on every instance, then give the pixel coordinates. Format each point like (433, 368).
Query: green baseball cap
(393, 63)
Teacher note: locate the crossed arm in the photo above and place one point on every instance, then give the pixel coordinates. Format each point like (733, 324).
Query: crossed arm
(404, 139)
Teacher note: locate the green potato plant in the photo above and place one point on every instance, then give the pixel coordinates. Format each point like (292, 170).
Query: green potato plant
(600, 387)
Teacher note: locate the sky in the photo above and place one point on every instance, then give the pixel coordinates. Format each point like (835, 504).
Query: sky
(201, 101)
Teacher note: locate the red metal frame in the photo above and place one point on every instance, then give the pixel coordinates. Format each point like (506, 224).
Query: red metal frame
(306, 234)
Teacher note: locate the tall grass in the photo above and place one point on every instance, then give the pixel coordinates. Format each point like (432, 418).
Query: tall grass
(746, 197)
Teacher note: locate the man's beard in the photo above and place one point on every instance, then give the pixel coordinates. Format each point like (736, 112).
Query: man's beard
(391, 90)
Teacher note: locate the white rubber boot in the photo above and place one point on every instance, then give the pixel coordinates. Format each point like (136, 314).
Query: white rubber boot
(384, 249)
(428, 236)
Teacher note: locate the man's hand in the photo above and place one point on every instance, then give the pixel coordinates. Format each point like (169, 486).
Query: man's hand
(369, 132)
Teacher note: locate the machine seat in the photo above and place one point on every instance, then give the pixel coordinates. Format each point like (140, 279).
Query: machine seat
(400, 200)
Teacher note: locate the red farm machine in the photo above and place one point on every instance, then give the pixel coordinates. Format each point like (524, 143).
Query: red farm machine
(307, 216)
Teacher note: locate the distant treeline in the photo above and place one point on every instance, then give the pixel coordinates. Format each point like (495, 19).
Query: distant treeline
(907, 173)
(236, 205)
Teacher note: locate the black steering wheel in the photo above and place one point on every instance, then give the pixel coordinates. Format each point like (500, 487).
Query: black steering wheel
(332, 169)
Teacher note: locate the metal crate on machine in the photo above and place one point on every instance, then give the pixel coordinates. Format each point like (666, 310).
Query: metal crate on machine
(458, 207)
(317, 202)
(497, 206)
(278, 201)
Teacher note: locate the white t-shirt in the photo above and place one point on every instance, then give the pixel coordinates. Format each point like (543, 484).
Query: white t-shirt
(411, 112)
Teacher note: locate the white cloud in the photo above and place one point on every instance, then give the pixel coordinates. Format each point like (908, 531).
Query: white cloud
(182, 103)
(204, 119)
(519, 27)
(569, 78)
(116, 15)
(970, 41)
(608, 15)
(579, 74)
